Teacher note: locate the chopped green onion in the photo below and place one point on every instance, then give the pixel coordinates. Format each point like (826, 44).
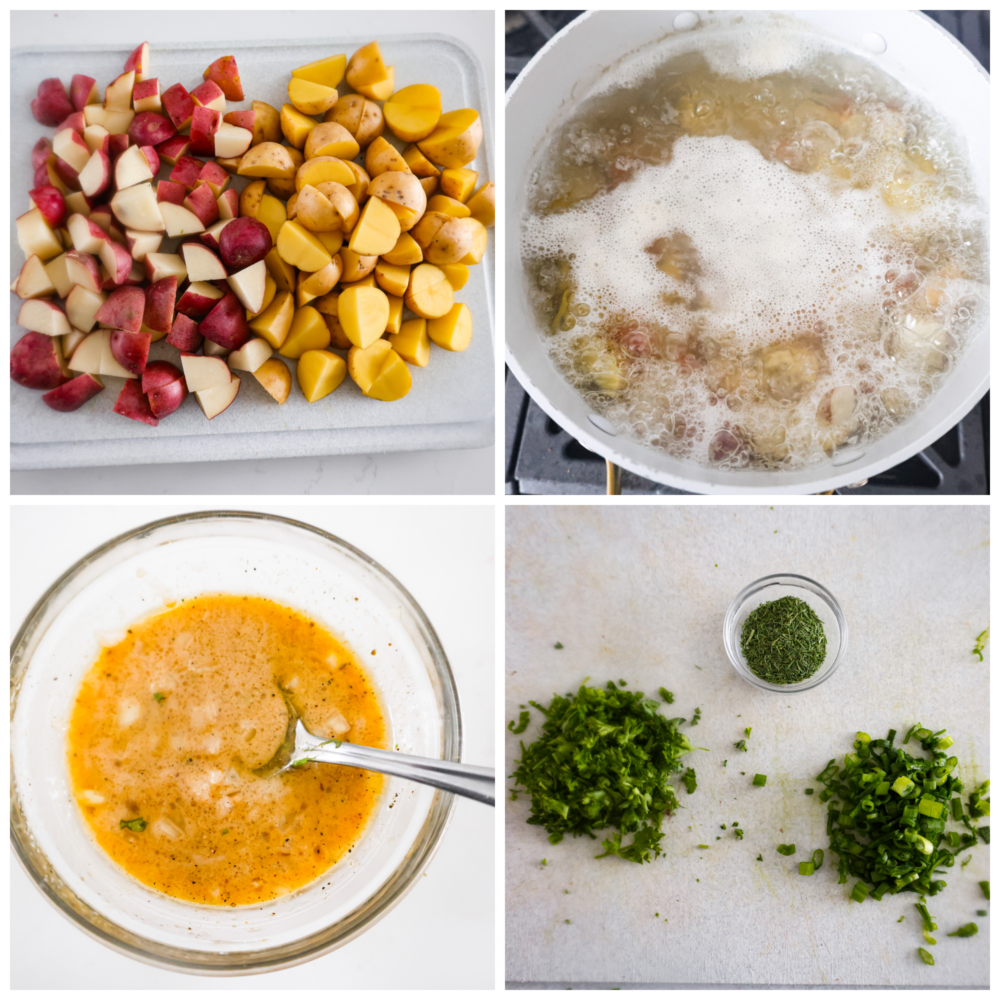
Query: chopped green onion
(667, 696)
(860, 892)
(901, 919)
(559, 645)
(930, 807)
(926, 955)
(739, 833)
(136, 825)
(809, 791)
(956, 809)
(966, 930)
(786, 849)
(759, 858)
(902, 786)
(981, 913)
(817, 859)
(760, 780)
(742, 745)
(703, 847)
(985, 886)
(806, 868)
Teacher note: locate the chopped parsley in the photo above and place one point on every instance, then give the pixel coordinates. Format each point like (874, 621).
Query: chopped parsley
(157, 697)
(966, 930)
(690, 780)
(135, 825)
(559, 645)
(981, 640)
(697, 716)
(787, 849)
(738, 832)
(742, 745)
(522, 723)
(667, 696)
(602, 760)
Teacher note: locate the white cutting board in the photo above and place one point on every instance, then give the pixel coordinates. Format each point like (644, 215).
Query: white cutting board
(639, 594)
(451, 402)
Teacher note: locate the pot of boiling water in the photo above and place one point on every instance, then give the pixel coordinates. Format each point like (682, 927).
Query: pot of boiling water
(905, 46)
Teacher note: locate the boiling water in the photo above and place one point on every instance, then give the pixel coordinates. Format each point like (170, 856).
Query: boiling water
(756, 253)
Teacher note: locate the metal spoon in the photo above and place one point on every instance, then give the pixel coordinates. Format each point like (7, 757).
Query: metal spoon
(300, 747)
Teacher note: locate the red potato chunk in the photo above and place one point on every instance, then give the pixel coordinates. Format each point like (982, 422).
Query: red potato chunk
(244, 242)
(52, 104)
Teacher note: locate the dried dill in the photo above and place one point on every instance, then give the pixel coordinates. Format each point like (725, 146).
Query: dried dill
(783, 641)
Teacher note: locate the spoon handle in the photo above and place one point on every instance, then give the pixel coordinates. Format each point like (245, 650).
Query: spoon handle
(462, 779)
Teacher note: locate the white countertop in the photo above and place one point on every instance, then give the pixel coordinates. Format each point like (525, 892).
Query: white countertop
(639, 593)
(430, 472)
(441, 935)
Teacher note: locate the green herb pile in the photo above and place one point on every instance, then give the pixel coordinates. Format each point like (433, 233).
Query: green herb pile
(783, 641)
(888, 810)
(603, 760)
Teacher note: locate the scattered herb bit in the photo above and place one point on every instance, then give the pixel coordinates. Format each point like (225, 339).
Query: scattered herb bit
(656, 914)
(966, 860)
(568, 922)
(926, 956)
(623, 683)
(667, 696)
(224, 832)
(566, 891)
(760, 780)
(818, 859)
(901, 919)
(703, 847)
(966, 930)
(860, 892)
(158, 697)
(135, 825)
(928, 922)
(759, 858)
(742, 745)
(544, 861)
(787, 849)
(981, 640)
(742, 772)
(809, 791)
(887, 812)
(736, 822)
(722, 827)
(748, 731)
(559, 645)
(522, 723)
(985, 886)
(725, 762)
(981, 913)
(739, 833)
(697, 717)
(718, 838)
(806, 868)
(602, 760)
(513, 795)
(690, 780)
(783, 641)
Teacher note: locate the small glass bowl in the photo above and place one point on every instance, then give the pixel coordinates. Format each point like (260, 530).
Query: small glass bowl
(770, 588)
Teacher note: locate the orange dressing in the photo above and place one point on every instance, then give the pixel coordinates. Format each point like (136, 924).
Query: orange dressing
(167, 730)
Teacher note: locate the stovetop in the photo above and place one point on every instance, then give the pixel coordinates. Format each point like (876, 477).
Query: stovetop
(543, 459)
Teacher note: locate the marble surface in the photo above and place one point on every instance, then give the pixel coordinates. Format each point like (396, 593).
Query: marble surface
(442, 934)
(458, 471)
(639, 593)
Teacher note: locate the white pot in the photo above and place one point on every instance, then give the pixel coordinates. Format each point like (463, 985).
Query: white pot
(917, 52)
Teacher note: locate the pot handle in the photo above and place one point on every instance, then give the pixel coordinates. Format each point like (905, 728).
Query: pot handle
(614, 479)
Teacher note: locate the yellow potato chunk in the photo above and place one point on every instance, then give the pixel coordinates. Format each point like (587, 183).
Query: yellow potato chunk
(332, 241)
(314, 211)
(458, 182)
(413, 112)
(377, 229)
(366, 67)
(275, 321)
(331, 139)
(272, 213)
(406, 251)
(429, 295)
(443, 238)
(298, 247)
(453, 331)
(320, 282)
(412, 343)
(296, 125)
(250, 198)
(457, 275)
(267, 159)
(482, 204)
(356, 267)
(311, 98)
(379, 371)
(327, 304)
(361, 181)
(308, 333)
(395, 314)
(393, 279)
(284, 187)
(479, 240)
(319, 373)
(450, 206)
(456, 139)
(380, 91)
(347, 112)
(266, 124)
(318, 169)
(276, 379)
(282, 272)
(363, 314)
(419, 165)
(382, 156)
(328, 72)
(368, 281)
(338, 338)
(403, 194)
(429, 184)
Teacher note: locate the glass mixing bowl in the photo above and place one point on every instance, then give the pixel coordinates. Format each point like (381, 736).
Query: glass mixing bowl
(143, 572)
(770, 588)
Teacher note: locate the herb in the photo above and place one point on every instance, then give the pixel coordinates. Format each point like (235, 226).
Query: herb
(725, 762)
(157, 697)
(981, 913)
(567, 921)
(703, 847)
(559, 645)
(697, 667)
(887, 812)
(860, 892)
(818, 859)
(602, 760)
(966, 930)
(985, 886)
(981, 640)
(787, 849)
(544, 861)
(759, 858)
(760, 780)
(806, 868)
(748, 730)
(690, 780)
(224, 832)
(926, 956)
(928, 922)
(739, 833)
(522, 723)
(783, 641)
(697, 716)
(742, 745)
(809, 791)
(901, 919)
(966, 860)
(135, 825)
(667, 696)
